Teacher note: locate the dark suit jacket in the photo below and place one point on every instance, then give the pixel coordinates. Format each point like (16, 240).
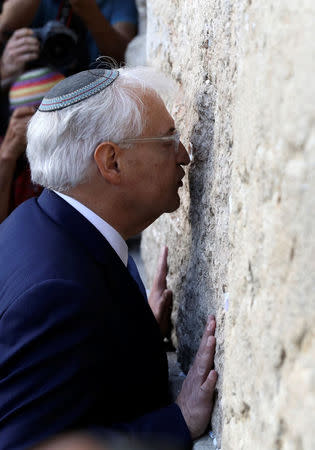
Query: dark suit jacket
(79, 345)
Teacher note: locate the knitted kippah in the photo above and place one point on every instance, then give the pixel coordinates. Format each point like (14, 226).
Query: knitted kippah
(30, 88)
(76, 88)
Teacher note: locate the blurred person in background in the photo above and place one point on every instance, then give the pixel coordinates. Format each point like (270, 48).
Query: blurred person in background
(26, 91)
(41, 41)
(15, 179)
(59, 36)
(98, 27)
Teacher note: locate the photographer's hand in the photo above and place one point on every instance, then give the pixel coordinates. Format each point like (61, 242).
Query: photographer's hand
(21, 48)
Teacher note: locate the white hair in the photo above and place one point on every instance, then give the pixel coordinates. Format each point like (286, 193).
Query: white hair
(61, 143)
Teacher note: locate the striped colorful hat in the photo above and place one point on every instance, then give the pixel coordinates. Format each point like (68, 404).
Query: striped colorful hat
(76, 88)
(30, 88)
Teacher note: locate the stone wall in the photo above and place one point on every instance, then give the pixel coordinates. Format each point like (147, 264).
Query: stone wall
(242, 243)
(136, 50)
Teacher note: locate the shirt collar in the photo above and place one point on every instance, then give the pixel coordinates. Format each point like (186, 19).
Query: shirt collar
(110, 234)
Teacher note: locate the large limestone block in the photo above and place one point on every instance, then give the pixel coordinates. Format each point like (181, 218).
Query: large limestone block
(242, 243)
(142, 11)
(181, 41)
(269, 373)
(136, 50)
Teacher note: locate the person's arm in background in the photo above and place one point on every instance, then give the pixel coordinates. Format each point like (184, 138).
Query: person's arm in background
(13, 145)
(111, 40)
(17, 14)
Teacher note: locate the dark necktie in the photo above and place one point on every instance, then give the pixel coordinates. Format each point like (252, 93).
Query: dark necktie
(132, 268)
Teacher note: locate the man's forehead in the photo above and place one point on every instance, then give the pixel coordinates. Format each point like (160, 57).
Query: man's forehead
(158, 119)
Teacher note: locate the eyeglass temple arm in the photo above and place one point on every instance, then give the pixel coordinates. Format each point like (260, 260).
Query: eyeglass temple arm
(149, 139)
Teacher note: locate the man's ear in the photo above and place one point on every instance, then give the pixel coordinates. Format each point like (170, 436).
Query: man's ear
(106, 159)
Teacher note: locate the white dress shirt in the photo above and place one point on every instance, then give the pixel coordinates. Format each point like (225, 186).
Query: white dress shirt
(110, 234)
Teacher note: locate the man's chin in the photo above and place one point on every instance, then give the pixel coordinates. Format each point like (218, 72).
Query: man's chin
(175, 205)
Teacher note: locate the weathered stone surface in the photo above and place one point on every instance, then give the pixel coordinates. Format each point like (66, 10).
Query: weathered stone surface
(142, 11)
(136, 50)
(242, 243)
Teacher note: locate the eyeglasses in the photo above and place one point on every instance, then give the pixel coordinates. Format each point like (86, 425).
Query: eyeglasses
(175, 138)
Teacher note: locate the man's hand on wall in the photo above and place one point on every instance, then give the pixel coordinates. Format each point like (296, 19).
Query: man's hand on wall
(196, 396)
(161, 298)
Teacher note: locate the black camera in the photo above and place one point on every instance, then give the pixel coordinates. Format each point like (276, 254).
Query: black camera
(58, 45)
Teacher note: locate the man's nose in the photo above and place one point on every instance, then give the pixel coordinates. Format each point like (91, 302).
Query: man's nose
(182, 155)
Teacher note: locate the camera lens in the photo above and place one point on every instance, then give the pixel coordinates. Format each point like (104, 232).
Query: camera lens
(59, 50)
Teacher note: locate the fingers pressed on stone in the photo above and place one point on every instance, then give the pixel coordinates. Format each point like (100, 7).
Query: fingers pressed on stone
(205, 360)
(203, 370)
(163, 257)
(203, 350)
(211, 343)
(209, 331)
(163, 262)
(164, 300)
(161, 273)
(210, 382)
(211, 326)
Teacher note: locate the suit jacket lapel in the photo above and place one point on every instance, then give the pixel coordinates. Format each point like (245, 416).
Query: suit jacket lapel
(76, 225)
(81, 230)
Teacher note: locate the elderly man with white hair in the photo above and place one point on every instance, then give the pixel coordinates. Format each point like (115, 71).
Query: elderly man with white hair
(81, 346)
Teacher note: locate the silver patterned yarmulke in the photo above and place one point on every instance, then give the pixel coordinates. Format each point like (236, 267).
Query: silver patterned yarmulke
(76, 88)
